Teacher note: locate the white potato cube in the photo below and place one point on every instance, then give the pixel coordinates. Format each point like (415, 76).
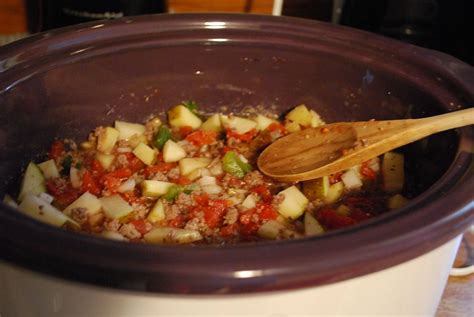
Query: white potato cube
(300, 115)
(293, 204)
(189, 165)
(263, 122)
(152, 188)
(213, 123)
(180, 116)
(145, 153)
(89, 202)
(157, 213)
(173, 152)
(49, 169)
(37, 208)
(393, 172)
(240, 125)
(128, 130)
(33, 182)
(115, 206)
(316, 120)
(107, 139)
(105, 160)
(351, 179)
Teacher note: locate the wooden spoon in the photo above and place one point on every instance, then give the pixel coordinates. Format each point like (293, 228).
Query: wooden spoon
(328, 149)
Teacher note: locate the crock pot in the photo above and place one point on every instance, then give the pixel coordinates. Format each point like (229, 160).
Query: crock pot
(66, 82)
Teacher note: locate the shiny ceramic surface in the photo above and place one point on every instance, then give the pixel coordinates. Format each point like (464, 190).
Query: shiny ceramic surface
(66, 82)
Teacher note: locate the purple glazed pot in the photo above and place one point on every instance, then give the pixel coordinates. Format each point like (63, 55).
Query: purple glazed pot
(66, 82)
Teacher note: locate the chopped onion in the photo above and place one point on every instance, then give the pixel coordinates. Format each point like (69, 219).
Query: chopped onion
(114, 236)
(124, 149)
(243, 158)
(46, 197)
(216, 169)
(249, 202)
(127, 186)
(351, 180)
(212, 189)
(75, 177)
(207, 181)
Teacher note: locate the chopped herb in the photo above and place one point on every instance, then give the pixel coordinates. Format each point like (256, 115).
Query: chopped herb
(191, 105)
(233, 165)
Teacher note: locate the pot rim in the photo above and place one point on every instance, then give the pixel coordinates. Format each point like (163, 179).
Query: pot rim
(445, 209)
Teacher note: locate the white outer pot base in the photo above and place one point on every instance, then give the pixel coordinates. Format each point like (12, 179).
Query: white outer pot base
(413, 288)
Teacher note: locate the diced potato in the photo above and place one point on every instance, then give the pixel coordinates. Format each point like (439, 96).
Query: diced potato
(343, 210)
(180, 116)
(157, 213)
(249, 202)
(39, 209)
(75, 177)
(189, 165)
(263, 122)
(335, 192)
(316, 120)
(115, 206)
(113, 235)
(107, 139)
(393, 172)
(173, 152)
(127, 129)
(152, 188)
(172, 235)
(274, 230)
(89, 202)
(300, 115)
(224, 120)
(316, 189)
(145, 153)
(311, 225)
(7, 199)
(351, 179)
(293, 204)
(49, 169)
(213, 123)
(33, 182)
(105, 160)
(291, 126)
(127, 186)
(240, 125)
(396, 201)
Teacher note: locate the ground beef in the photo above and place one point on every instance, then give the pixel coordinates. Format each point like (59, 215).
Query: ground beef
(231, 216)
(173, 174)
(129, 231)
(160, 176)
(112, 225)
(277, 200)
(253, 179)
(183, 200)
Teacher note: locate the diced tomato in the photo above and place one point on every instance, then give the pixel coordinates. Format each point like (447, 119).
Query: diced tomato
(176, 222)
(132, 197)
(120, 173)
(63, 192)
(266, 211)
(134, 164)
(158, 168)
(249, 229)
(330, 219)
(201, 137)
(111, 184)
(226, 149)
(245, 137)
(57, 149)
(201, 200)
(214, 212)
(246, 217)
(366, 171)
(183, 180)
(96, 168)
(229, 230)
(184, 131)
(140, 225)
(276, 126)
(89, 184)
(264, 192)
(335, 178)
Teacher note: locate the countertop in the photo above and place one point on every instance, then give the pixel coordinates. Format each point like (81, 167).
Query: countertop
(458, 297)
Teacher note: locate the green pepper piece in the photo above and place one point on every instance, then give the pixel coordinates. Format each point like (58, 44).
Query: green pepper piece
(173, 192)
(190, 188)
(163, 135)
(233, 165)
(191, 105)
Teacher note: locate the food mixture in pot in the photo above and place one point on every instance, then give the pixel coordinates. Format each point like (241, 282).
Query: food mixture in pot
(192, 179)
